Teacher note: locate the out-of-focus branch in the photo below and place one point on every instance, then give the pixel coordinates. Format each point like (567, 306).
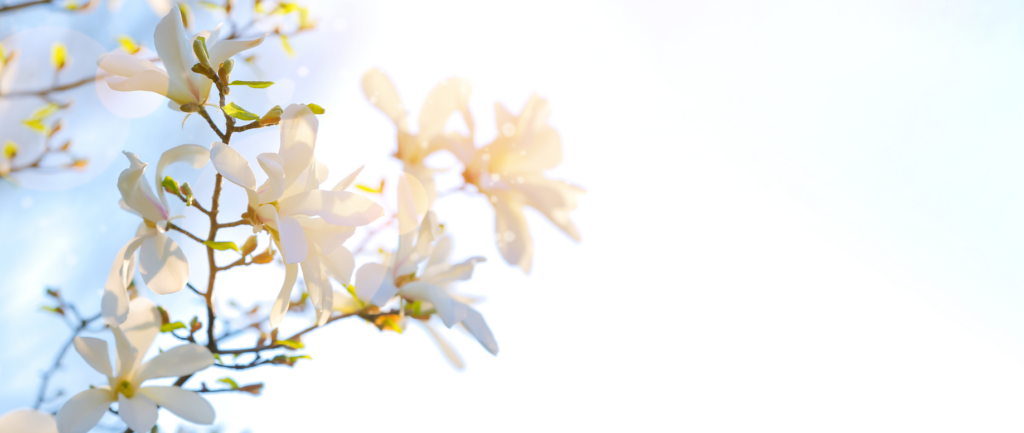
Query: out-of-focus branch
(81, 326)
(19, 6)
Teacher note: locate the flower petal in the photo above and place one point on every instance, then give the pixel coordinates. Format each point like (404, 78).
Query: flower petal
(145, 81)
(436, 295)
(160, 7)
(325, 235)
(474, 322)
(172, 44)
(412, 203)
(83, 411)
(273, 188)
(280, 308)
(137, 193)
(192, 154)
(348, 180)
(460, 272)
(292, 240)
(533, 147)
(142, 326)
(94, 351)
(232, 165)
(124, 65)
(186, 404)
(298, 138)
(27, 421)
(114, 305)
(336, 207)
(163, 264)
(127, 355)
(223, 50)
(442, 249)
(381, 93)
(178, 361)
(139, 412)
(555, 199)
(446, 348)
(448, 97)
(369, 280)
(339, 264)
(511, 232)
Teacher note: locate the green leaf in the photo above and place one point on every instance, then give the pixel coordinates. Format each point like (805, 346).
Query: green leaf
(291, 344)
(253, 84)
(316, 109)
(239, 113)
(56, 310)
(217, 357)
(172, 326)
(222, 246)
(231, 382)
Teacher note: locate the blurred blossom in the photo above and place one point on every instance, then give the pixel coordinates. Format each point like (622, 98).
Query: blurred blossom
(27, 421)
(137, 405)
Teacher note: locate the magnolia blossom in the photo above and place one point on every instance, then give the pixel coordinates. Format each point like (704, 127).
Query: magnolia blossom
(162, 263)
(285, 203)
(137, 405)
(176, 81)
(420, 271)
(27, 421)
(448, 97)
(510, 171)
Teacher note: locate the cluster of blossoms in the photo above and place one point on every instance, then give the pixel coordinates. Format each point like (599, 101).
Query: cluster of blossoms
(304, 221)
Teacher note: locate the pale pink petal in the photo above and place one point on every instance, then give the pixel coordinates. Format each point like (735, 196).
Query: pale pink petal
(191, 154)
(273, 166)
(381, 93)
(114, 304)
(94, 351)
(223, 50)
(511, 232)
(460, 272)
(340, 264)
(232, 165)
(326, 235)
(447, 98)
(446, 348)
(298, 138)
(127, 355)
(442, 249)
(474, 322)
(436, 295)
(139, 412)
(555, 199)
(178, 361)
(83, 411)
(280, 308)
(348, 180)
(189, 405)
(292, 240)
(142, 326)
(369, 280)
(163, 264)
(27, 421)
(125, 65)
(412, 203)
(137, 193)
(336, 207)
(175, 50)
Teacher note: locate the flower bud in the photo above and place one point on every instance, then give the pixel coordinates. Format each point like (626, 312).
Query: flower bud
(199, 47)
(227, 66)
(186, 190)
(272, 117)
(191, 107)
(170, 185)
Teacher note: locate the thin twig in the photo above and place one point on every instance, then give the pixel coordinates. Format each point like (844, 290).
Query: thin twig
(234, 224)
(60, 355)
(194, 237)
(202, 112)
(12, 8)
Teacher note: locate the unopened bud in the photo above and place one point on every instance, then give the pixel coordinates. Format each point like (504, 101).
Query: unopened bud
(273, 116)
(228, 66)
(199, 47)
(224, 73)
(186, 190)
(170, 185)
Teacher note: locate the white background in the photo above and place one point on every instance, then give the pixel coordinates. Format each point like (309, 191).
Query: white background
(801, 216)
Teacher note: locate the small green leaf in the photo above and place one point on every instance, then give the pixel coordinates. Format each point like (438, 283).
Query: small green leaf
(222, 246)
(217, 357)
(253, 84)
(56, 310)
(239, 113)
(231, 382)
(291, 344)
(316, 109)
(172, 326)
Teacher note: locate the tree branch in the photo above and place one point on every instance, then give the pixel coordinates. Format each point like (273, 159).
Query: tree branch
(13, 8)
(194, 237)
(41, 397)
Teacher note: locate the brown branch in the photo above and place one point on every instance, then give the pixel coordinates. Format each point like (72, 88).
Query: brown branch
(174, 227)
(202, 112)
(234, 224)
(253, 125)
(300, 333)
(195, 204)
(13, 8)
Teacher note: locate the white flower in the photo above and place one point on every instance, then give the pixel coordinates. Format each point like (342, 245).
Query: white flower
(420, 271)
(510, 171)
(176, 81)
(447, 98)
(137, 405)
(27, 421)
(287, 200)
(161, 262)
